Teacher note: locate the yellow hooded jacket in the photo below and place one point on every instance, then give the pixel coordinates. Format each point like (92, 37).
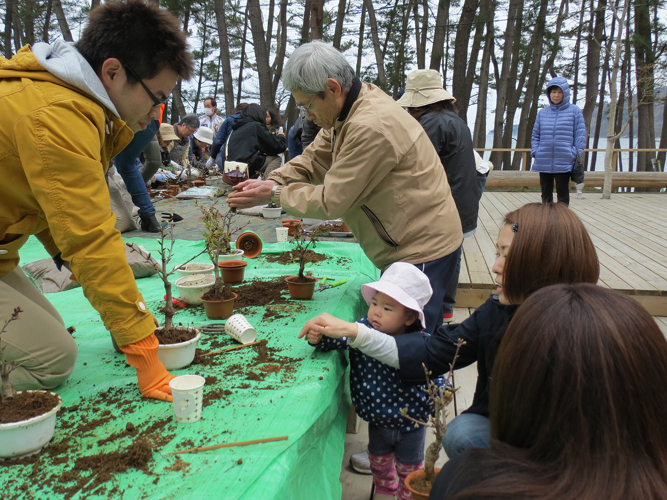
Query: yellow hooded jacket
(57, 136)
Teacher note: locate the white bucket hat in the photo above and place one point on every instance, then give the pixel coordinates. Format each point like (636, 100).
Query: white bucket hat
(405, 284)
(204, 134)
(424, 87)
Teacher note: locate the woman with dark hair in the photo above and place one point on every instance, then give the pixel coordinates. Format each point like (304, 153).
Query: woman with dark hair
(252, 143)
(273, 120)
(577, 407)
(539, 245)
(433, 107)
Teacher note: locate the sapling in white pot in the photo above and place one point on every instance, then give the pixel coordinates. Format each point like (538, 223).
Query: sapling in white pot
(7, 367)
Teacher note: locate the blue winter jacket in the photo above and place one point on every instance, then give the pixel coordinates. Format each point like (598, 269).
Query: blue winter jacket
(559, 134)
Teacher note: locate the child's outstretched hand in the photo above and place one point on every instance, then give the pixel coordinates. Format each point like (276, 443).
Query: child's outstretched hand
(330, 326)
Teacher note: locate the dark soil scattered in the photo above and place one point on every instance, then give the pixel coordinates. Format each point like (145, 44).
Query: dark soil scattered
(336, 227)
(260, 293)
(179, 465)
(174, 335)
(292, 257)
(27, 405)
(270, 368)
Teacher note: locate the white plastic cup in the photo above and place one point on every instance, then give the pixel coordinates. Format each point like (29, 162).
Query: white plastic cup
(238, 327)
(281, 234)
(188, 394)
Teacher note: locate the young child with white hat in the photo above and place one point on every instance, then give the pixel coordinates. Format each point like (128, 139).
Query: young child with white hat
(395, 307)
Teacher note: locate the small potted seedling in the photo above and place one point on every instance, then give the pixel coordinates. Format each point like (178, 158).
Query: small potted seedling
(421, 481)
(27, 418)
(271, 211)
(177, 343)
(302, 287)
(218, 231)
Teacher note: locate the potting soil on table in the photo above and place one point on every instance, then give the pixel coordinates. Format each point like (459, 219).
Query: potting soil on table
(111, 443)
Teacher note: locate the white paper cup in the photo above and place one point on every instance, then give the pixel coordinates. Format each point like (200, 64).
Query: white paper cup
(188, 394)
(281, 234)
(238, 327)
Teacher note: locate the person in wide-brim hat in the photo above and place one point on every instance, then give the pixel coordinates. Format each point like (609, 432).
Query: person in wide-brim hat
(424, 87)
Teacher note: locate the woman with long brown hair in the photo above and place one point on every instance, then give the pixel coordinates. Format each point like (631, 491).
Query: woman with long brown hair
(539, 245)
(577, 406)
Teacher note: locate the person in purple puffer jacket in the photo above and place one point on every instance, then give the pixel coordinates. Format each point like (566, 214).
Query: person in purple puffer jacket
(559, 138)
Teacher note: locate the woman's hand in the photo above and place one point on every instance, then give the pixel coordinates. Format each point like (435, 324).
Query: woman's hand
(330, 326)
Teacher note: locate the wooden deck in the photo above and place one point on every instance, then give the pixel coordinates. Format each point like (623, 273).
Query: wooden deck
(629, 232)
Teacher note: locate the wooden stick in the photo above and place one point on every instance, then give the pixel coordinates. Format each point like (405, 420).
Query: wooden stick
(229, 445)
(228, 349)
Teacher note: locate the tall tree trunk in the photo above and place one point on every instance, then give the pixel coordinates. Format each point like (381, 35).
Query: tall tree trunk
(266, 94)
(421, 30)
(242, 62)
(596, 26)
(29, 8)
(278, 62)
(600, 108)
(613, 134)
(9, 22)
(96, 3)
(534, 65)
(340, 18)
(372, 21)
(227, 79)
(317, 19)
(460, 87)
(644, 63)
(438, 47)
(18, 29)
(360, 45)
(510, 53)
(269, 23)
(631, 113)
(577, 50)
(47, 21)
(305, 27)
(479, 136)
(62, 21)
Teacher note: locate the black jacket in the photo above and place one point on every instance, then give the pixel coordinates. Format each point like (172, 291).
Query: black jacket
(452, 140)
(251, 142)
(482, 333)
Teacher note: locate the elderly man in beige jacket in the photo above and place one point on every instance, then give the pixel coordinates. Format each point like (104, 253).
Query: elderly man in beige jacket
(371, 164)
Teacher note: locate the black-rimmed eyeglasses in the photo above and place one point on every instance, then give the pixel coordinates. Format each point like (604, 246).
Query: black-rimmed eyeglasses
(156, 102)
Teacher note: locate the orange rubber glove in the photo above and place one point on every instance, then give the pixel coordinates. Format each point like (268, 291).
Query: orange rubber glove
(153, 377)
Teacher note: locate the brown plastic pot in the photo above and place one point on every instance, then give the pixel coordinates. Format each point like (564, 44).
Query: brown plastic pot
(232, 271)
(173, 190)
(199, 183)
(219, 309)
(250, 243)
(417, 495)
(289, 224)
(301, 291)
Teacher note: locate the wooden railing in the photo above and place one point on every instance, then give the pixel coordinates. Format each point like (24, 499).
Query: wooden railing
(525, 153)
(524, 178)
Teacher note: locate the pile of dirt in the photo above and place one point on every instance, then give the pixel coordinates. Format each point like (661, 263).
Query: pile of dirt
(174, 335)
(292, 257)
(260, 293)
(27, 405)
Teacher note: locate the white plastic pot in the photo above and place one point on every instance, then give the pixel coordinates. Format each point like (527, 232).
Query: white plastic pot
(215, 180)
(28, 436)
(194, 268)
(271, 213)
(175, 356)
(191, 287)
(234, 254)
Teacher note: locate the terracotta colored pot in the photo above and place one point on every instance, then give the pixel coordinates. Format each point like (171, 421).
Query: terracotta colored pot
(219, 309)
(250, 243)
(289, 224)
(345, 228)
(173, 190)
(301, 291)
(416, 495)
(233, 271)
(199, 183)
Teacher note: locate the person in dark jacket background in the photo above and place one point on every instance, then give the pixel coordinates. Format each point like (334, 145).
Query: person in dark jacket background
(559, 138)
(218, 147)
(433, 107)
(251, 142)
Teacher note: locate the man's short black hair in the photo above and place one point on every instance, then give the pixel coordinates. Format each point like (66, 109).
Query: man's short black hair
(212, 99)
(140, 35)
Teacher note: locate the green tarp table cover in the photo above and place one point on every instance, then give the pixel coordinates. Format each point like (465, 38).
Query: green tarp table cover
(307, 400)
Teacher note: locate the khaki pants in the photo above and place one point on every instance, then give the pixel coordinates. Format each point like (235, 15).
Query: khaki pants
(270, 164)
(38, 341)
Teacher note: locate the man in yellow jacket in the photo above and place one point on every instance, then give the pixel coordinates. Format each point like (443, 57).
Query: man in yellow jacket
(67, 109)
